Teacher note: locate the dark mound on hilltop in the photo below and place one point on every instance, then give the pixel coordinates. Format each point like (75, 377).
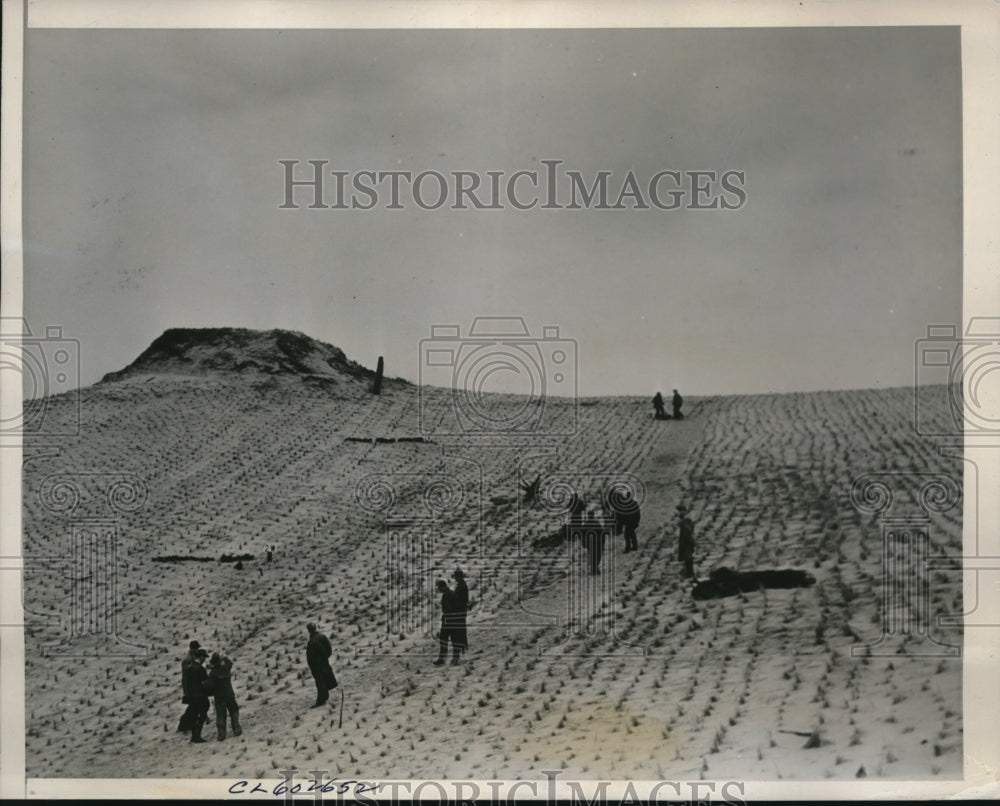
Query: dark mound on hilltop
(226, 349)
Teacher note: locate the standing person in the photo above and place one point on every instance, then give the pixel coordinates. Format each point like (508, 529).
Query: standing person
(449, 623)
(185, 722)
(661, 414)
(188, 659)
(460, 630)
(318, 652)
(220, 671)
(593, 536)
(685, 543)
(677, 402)
(627, 520)
(196, 694)
(576, 509)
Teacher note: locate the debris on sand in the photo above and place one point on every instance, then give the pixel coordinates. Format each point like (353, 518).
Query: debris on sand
(726, 582)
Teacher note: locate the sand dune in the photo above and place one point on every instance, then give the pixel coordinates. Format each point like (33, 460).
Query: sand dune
(632, 678)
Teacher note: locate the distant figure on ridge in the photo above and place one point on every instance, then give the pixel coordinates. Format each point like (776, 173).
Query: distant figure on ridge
(220, 672)
(196, 694)
(452, 617)
(685, 543)
(677, 402)
(661, 414)
(318, 652)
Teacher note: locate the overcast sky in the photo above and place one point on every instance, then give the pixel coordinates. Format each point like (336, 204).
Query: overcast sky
(153, 190)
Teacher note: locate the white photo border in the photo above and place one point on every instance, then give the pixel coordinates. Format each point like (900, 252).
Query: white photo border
(979, 21)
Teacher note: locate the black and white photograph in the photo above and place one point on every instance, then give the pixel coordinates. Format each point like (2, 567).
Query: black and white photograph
(477, 401)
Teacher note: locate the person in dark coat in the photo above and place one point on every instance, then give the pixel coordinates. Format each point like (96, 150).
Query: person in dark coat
(627, 516)
(318, 653)
(628, 522)
(196, 693)
(451, 618)
(460, 629)
(661, 414)
(685, 543)
(593, 539)
(188, 659)
(220, 672)
(576, 510)
(184, 725)
(677, 402)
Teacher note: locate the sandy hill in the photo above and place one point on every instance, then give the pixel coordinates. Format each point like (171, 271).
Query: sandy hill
(625, 676)
(186, 351)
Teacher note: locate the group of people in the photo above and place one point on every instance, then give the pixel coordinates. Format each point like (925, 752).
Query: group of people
(455, 603)
(676, 402)
(592, 535)
(199, 684)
